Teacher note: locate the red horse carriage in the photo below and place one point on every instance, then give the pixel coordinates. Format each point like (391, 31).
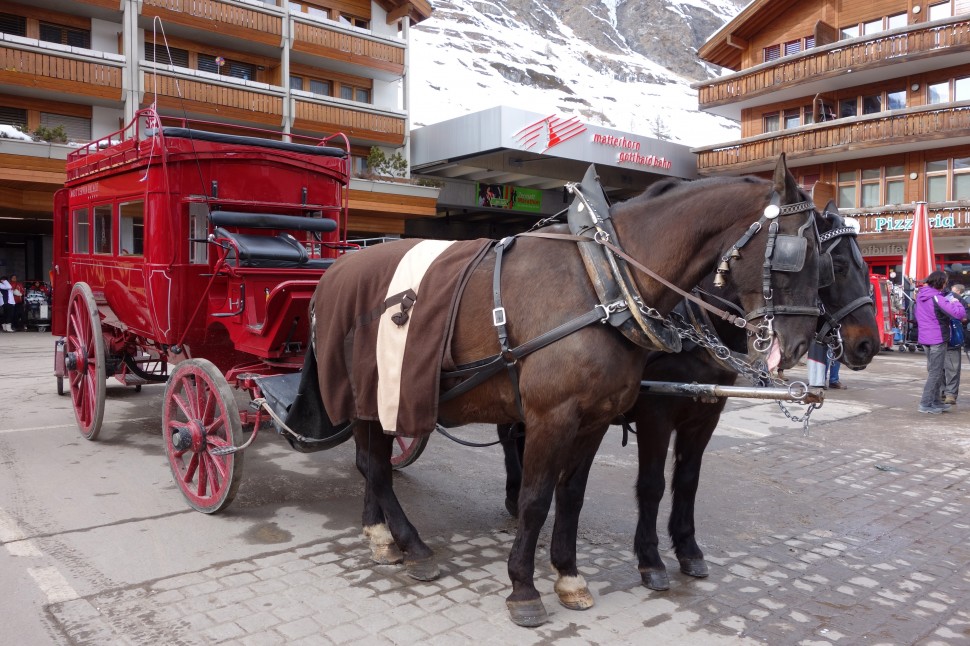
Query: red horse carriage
(185, 248)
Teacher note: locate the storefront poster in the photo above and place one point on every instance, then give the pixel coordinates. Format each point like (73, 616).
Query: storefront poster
(507, 196)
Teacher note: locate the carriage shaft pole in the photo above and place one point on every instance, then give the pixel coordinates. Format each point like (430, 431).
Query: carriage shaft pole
(813, 396)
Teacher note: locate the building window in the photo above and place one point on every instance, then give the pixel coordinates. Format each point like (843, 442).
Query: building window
(296, 83)
(897, 20)
(131, 231)
(354, 21)
(81, 228)
(961, 89)
(16, 117)
(322, 88)
(793, 118)
(848, 108)
(936, 172)
(808, 115)
(772, 122)
(872, 27)
(961, 178)
(872, 104)
(847, 190)
(65, 35)
(896, 100)
(351, 93)
(158, 53)
(76, 128)
(938, 93)
(772, 53)
(809, 42)
(102, 229)
(940, 10)
(358, 166)
(851, 31)
(310, 9)
(871, 181)
(895, 184)
(793, 47)
(235, 69)
(13, 25)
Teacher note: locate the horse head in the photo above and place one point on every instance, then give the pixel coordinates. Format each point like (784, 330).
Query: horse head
(848, 321)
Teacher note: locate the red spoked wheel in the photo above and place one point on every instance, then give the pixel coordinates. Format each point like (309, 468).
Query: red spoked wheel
(406, 450)
(84, 360)
(200, 416)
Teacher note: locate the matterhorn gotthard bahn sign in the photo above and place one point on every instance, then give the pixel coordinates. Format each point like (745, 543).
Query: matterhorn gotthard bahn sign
(571, 138)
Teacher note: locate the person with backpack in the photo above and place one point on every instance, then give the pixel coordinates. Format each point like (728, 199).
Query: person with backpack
(952, 362)
(6, 304)
(934, 336)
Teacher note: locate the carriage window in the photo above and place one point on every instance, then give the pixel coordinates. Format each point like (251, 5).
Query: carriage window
(132, 228)
(80, 231)
(102, 229)
(198, 230)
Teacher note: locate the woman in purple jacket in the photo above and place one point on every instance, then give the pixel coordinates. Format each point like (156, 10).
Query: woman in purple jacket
(933, 311)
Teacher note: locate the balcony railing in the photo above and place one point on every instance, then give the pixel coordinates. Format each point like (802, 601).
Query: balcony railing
(903, 43)
(336, 43)
(255, 104)
(914, 125)
(237, 19)
(59, 69)
(356, 122)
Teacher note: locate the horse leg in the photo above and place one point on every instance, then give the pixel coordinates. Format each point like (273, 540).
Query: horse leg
(513, 445)
(571, 587)
(692, 439)
(541, 467)
(374, 449)
(653, 438)
(384, 550)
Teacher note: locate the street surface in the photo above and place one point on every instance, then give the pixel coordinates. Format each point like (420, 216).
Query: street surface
(858, 533)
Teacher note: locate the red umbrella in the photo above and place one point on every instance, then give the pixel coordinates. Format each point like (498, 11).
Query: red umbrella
(920, 259)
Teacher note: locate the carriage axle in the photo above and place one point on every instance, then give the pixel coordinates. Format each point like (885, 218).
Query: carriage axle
(797, 392)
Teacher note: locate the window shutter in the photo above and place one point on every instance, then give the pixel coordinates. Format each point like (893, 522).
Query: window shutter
(772, 53)
(14, 25)
(13, 117)
(793, 47)
(77, 128)
(172, 56)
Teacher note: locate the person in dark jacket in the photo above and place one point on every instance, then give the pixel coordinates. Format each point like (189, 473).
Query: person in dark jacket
(954, 354)
(930, 301)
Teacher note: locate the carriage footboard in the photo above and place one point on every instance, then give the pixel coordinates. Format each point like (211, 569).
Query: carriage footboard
(295, 399)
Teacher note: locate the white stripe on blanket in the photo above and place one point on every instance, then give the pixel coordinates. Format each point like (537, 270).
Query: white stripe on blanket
(391, 338)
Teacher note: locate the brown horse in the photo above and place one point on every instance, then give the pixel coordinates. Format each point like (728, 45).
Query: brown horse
(571, 390)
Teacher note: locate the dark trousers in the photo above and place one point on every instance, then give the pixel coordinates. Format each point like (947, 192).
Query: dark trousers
(935, 357)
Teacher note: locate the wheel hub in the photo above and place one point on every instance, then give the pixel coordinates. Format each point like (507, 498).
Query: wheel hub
(189, 437)
(71, 360)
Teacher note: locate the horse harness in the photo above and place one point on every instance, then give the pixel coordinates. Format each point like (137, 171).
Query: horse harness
(620, 303)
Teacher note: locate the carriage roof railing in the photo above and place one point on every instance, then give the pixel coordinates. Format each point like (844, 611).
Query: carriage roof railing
(122, 147)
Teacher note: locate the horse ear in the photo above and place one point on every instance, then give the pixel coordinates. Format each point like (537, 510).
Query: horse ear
(785, 183)
(831, 207)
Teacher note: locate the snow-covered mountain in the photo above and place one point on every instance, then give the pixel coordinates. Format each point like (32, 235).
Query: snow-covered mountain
(624, 64)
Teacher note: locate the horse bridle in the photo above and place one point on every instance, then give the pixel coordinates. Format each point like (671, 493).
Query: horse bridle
(783, 253)
(830, 332)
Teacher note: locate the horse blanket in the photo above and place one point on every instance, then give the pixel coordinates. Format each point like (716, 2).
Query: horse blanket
(383, 321)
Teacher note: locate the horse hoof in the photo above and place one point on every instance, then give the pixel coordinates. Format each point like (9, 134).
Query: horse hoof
(528, 614)
(655, 579)
(574, 593)
(386, 554)
(694, 567)
(423, 570)
(512, 506)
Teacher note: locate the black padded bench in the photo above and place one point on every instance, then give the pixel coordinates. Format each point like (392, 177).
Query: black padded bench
(279, 251)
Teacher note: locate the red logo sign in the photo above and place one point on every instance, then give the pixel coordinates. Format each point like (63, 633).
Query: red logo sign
(546, 133)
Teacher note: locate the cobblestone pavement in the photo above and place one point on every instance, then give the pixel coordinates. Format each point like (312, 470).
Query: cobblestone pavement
(857, 533)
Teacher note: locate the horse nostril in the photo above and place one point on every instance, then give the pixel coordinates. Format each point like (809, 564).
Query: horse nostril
(865, 349)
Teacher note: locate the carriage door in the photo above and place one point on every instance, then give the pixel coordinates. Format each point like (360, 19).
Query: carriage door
(60, 271)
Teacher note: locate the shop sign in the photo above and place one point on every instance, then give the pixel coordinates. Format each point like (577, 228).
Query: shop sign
(891, 223)
(629, 152)
(507, 196)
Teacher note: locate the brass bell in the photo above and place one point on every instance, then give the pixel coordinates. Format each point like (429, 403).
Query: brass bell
(723, 268)
(719, 280)
(735, 254)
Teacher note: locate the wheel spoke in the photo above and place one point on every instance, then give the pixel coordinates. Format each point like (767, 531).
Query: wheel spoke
(191, 468)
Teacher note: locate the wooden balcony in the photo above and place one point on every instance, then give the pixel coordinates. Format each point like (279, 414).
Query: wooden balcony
(903, 45)
(362, 123)
(358, 50)
(225, 17)
(214, 99)
(60, 72)
(881, 133)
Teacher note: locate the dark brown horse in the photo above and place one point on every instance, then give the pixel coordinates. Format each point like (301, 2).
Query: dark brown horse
(849, 322)
(571, 390)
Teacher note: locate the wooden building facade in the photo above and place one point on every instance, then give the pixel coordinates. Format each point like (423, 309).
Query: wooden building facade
(307, 68)
(869, 99)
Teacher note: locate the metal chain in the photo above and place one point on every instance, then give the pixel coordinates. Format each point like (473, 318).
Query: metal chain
(756, 372)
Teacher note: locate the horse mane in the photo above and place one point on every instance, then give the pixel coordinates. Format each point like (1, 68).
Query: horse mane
(671, 187)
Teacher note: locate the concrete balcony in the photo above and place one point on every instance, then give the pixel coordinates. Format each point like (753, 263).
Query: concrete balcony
(848, 63)
(883, 133)
(347, 50)
(363, 123)
(29, 67)
(224, 20)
